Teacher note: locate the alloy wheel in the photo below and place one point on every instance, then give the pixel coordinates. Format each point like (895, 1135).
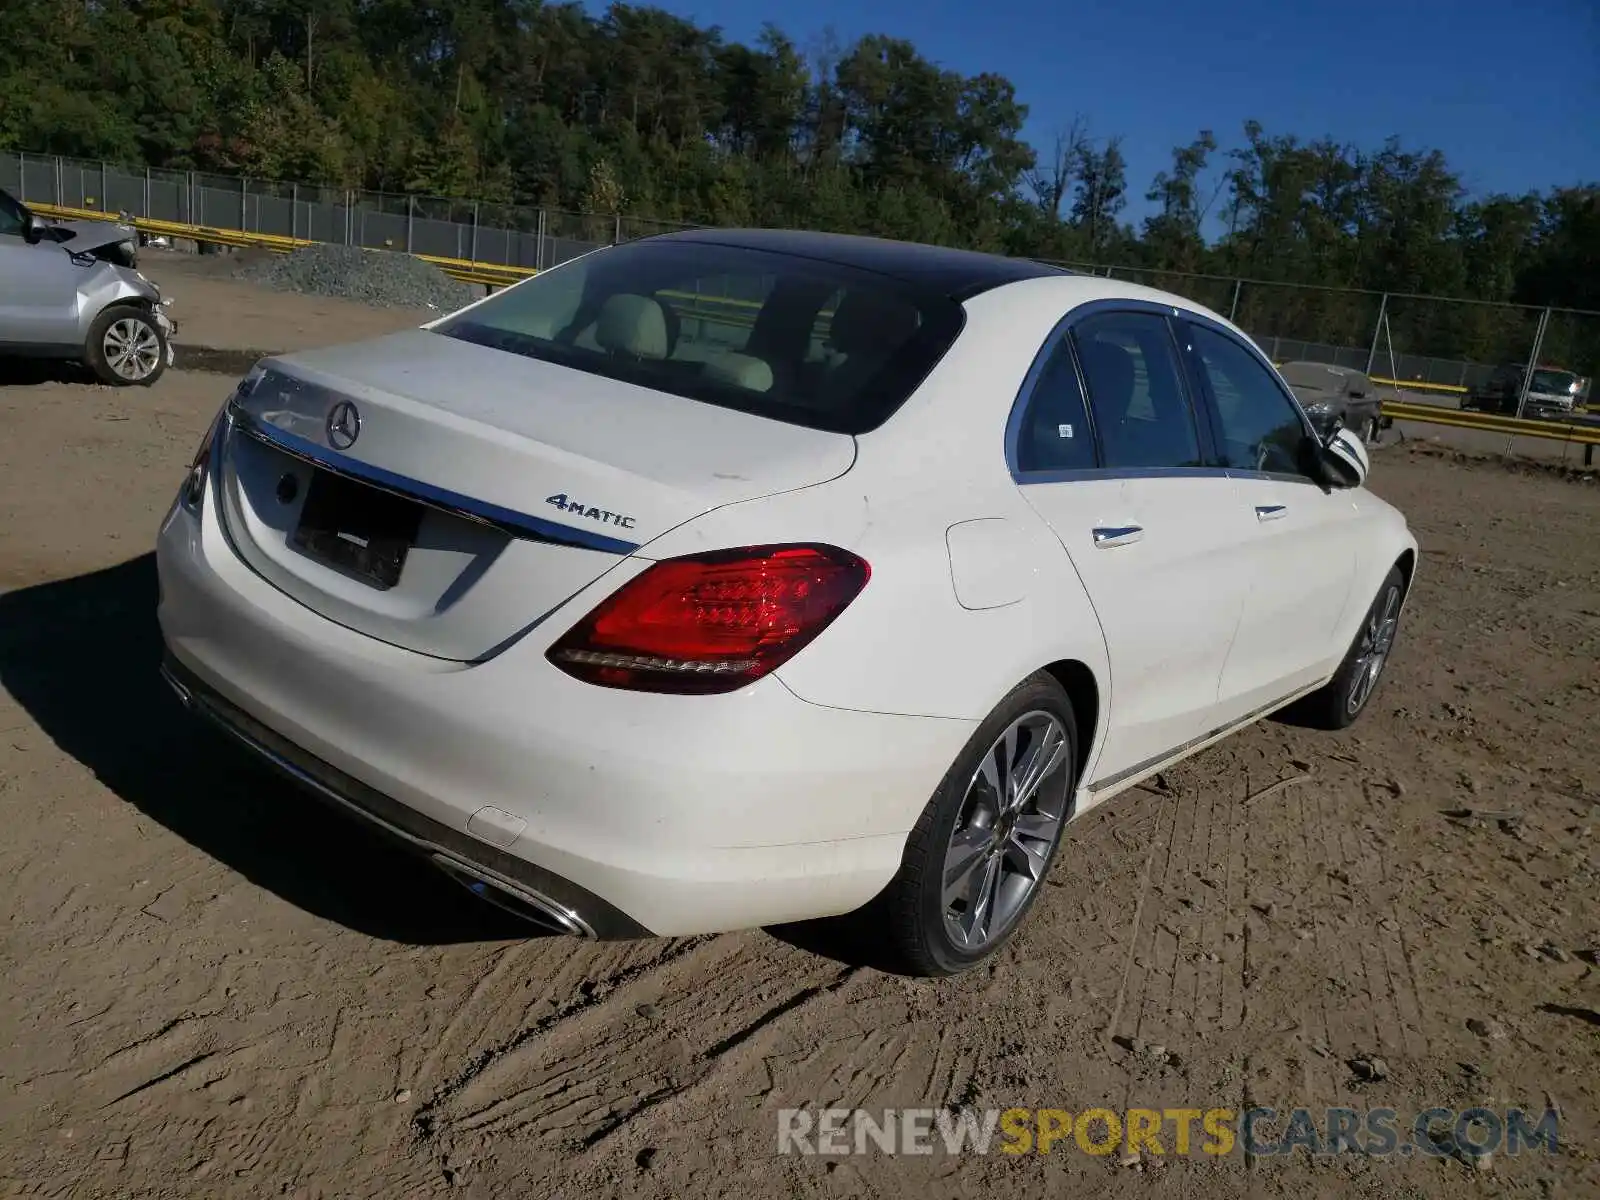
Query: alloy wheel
(1376, 640)
(1007, 829)
(131, 348)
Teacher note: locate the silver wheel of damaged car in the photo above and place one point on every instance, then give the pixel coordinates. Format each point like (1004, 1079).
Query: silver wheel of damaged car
(132, 349)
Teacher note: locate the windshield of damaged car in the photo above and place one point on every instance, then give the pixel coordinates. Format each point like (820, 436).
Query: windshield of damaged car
(799, 340)
(1553, 383)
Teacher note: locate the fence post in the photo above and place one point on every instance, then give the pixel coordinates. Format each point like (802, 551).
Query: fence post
(294, 210)
(244, 203)
(538, 244)
(59, 193)
(409, 212)
(146, 213)
(616, 230)
(1234, 307)
(1377, 332)
(1533, 365)
(104, 207)
(475, 231)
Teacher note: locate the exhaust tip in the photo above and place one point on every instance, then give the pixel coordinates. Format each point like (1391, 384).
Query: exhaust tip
(536, 910)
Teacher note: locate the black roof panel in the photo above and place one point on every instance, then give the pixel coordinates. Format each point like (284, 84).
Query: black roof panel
(959, 274)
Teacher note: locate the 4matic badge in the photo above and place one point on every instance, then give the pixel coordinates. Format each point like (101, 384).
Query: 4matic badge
(578, 508)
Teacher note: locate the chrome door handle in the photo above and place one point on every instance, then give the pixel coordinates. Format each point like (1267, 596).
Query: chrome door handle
(1108, 537)
(1271, 512)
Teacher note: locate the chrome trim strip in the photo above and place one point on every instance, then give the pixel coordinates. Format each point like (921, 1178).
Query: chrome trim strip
(517, 524)
(1110, 537)
(1159, 760)
(559, 913)
(467, 875)
(1089, 474)
(1274, 476)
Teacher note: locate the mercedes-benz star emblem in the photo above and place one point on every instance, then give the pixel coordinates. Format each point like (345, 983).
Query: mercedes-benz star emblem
(344, 425)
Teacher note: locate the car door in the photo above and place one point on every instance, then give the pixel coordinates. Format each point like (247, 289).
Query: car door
(1107, 449)
(38, 286)
(1304, 545)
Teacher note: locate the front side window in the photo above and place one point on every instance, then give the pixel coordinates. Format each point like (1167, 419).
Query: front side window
(1141, 410)
(799, 340)
(1261, 428)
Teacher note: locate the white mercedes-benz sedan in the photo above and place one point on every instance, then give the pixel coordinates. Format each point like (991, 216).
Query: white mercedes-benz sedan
(728, 579)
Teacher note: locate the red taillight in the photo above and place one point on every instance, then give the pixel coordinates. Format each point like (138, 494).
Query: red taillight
(712, 622)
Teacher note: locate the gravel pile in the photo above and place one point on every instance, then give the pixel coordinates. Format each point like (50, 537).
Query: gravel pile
(378, 277)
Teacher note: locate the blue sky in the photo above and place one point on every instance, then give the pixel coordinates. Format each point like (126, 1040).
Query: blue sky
(1508, 91)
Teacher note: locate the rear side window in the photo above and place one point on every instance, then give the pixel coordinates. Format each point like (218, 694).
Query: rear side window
(1055, 433)
(1141, 409)
(812, 343)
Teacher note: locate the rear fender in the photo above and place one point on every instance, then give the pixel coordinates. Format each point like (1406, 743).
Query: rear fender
(968, 596)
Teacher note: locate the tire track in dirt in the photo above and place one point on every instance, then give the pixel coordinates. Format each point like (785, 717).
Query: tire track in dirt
(586, 1072)
(531, 987)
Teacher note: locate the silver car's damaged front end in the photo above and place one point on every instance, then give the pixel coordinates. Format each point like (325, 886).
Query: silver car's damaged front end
(73, 291)
(105, 284)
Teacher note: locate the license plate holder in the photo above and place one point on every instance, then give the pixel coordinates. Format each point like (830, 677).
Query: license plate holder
(364, 531)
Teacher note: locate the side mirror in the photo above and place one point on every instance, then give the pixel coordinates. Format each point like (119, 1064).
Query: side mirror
(1343, 459)
(1325, 419)
(34, 231)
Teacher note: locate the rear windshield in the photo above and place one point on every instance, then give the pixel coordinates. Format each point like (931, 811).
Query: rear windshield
(799, 340)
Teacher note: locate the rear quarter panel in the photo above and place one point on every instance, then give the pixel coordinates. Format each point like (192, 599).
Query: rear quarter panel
(908, 644)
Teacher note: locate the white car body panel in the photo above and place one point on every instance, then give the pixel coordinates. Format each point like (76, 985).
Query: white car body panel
(791, 797)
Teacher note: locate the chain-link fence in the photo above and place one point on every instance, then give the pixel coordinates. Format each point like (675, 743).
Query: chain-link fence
(1426, 343)
(1423, 343)
(492, 234)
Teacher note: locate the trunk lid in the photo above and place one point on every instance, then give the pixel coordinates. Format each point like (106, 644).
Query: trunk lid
(444, 496)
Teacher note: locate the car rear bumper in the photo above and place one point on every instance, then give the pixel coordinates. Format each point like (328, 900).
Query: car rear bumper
(607, 813)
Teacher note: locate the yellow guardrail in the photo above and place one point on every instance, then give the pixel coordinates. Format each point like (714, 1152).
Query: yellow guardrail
(1417, 385)
(489, 274)
(1559, 431)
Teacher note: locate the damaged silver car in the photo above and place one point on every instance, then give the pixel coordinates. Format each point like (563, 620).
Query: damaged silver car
(74, 291)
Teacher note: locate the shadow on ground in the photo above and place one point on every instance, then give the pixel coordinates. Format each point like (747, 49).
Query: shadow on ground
(82, 656)
(30, 372)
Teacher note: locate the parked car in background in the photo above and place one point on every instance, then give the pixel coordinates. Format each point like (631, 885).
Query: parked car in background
(682, 618)
(1552, 392)
(73, 291)
(1329, 392)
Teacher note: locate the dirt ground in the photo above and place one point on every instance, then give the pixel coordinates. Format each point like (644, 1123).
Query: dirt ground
(213, 986)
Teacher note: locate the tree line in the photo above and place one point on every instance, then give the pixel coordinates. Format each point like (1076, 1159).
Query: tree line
(639, 112)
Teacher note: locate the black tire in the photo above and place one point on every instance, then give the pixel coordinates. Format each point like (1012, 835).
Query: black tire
(1337, 704)
(913, 908)
(136, 328)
